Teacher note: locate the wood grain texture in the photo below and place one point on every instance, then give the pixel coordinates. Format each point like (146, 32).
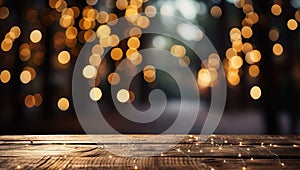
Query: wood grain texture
(216, 152)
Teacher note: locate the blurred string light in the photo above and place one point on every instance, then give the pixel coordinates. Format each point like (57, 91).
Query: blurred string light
(63, 57)
(95, 94)
(292, 24)
(10, 37)
(63, 104)
(95, 23)
(276, 9)
(4, 12)
(255, 92)
(33, 100)
(234, 61)
(123, 95)
(5, 76)
(35, 36)
(216, 11)
(274, 34)
(277, 49)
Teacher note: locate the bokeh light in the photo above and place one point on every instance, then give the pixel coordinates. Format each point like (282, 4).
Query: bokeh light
(35, 36)
(63, 104)
(25, 77)
(292, 24)
(123, 95)
(277, 49)
(255, 92)
(5, 76)
(89, 71)
(95, 94)
(276, 9)
(64, 57)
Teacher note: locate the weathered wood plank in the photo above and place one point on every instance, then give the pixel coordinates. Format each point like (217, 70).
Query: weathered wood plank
(233, 139)
(145, 163)
(217, 152)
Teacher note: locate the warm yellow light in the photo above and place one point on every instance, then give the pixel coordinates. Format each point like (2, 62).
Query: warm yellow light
(247, 47)
(6, 44)
(135, 31)
(104, 41)
(4, 12)
(230, 52)
(60, 5)
(143, 22)
(25, 53)
(292, 24)
(103, 31)
(113, 40)
(116, 54)
(64, 57)
(121, 4)
(184, 61)
(150, 11)
(214, 61)
(16, 31)
(95, 60)
(235, 37)
(216, 12)
(89, 36)
(123, 95)
(32, 71)
(95, 94)
(253, 71)
(97, 49)
(38, 99)
(274, 34)
(112, 19)
(113, 78)
(89, 71)
(233, 78)
(253, 57)
(276, 9)
(131, 53)
(136, 3)
(91, 2)
(178, 50)
(66, 21)
(237, 46)
(247, 8)
(149, 73)
(253, 16)
(131, 96)
(234, 31)
(277, 49)
(63, 104)
(131, 14)
(102, 17)
(204, 78)
(297, 15)
(5, 76)
(29, 101)
(236, 62)
(35, 36)
(71, 33)
(255, 92)
(133, 42)
(25, 77)
(247, 32)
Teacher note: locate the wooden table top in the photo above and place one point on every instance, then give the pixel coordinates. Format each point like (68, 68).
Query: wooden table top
(217, 152)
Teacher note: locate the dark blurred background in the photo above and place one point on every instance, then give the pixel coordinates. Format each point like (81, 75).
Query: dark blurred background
(257, 42)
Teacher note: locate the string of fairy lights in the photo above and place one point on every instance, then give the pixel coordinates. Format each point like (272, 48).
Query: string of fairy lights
(94, 23)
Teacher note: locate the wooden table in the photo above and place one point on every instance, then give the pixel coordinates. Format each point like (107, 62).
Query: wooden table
(217, 152)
